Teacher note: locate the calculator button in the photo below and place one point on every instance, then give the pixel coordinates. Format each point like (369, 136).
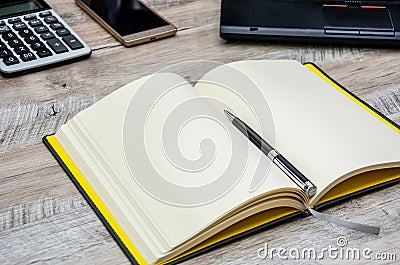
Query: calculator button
(47, 35)
(5, 52)
(72, 42)
(56, 26)
(4, 29)
(57, 46)
(45, 14)
(2, 46)
(21, 49)
(15, 42)
(37, 46)
(31, 39)
(29, 17)
(29, 56)
(41, 29)
(9, 60)
(63, 32)
(14, 20)
(50, 20)
(9, 36)
(19, 26)
(44, 53)
(25, 33)
(35, 22)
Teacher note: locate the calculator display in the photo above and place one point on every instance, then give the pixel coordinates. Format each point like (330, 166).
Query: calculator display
(14, 7)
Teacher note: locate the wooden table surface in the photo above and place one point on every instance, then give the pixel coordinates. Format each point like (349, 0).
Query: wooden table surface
(45, 220)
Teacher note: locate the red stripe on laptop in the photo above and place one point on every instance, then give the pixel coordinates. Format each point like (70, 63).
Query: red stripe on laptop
(333, 5)
(373, 7)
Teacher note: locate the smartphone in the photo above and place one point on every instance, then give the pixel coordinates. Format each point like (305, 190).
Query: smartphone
(132, 22)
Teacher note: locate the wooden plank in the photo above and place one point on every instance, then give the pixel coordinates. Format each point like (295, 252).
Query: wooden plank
(69, 234)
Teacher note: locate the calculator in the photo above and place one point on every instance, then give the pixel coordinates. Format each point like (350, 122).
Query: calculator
(33, 37)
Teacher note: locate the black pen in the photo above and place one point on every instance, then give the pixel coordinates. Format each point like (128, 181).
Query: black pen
(295, 175)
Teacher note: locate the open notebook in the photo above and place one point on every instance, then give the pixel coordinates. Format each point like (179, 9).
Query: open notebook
(337, 141)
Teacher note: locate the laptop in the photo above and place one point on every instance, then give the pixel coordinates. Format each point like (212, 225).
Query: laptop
(351, 22)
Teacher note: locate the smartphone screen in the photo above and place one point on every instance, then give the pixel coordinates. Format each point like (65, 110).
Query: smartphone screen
(126, 16)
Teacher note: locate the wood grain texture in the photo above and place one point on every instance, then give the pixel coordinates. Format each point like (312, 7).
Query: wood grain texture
(44, 219)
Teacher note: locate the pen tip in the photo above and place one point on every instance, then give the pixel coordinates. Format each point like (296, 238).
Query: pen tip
(229, 115)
